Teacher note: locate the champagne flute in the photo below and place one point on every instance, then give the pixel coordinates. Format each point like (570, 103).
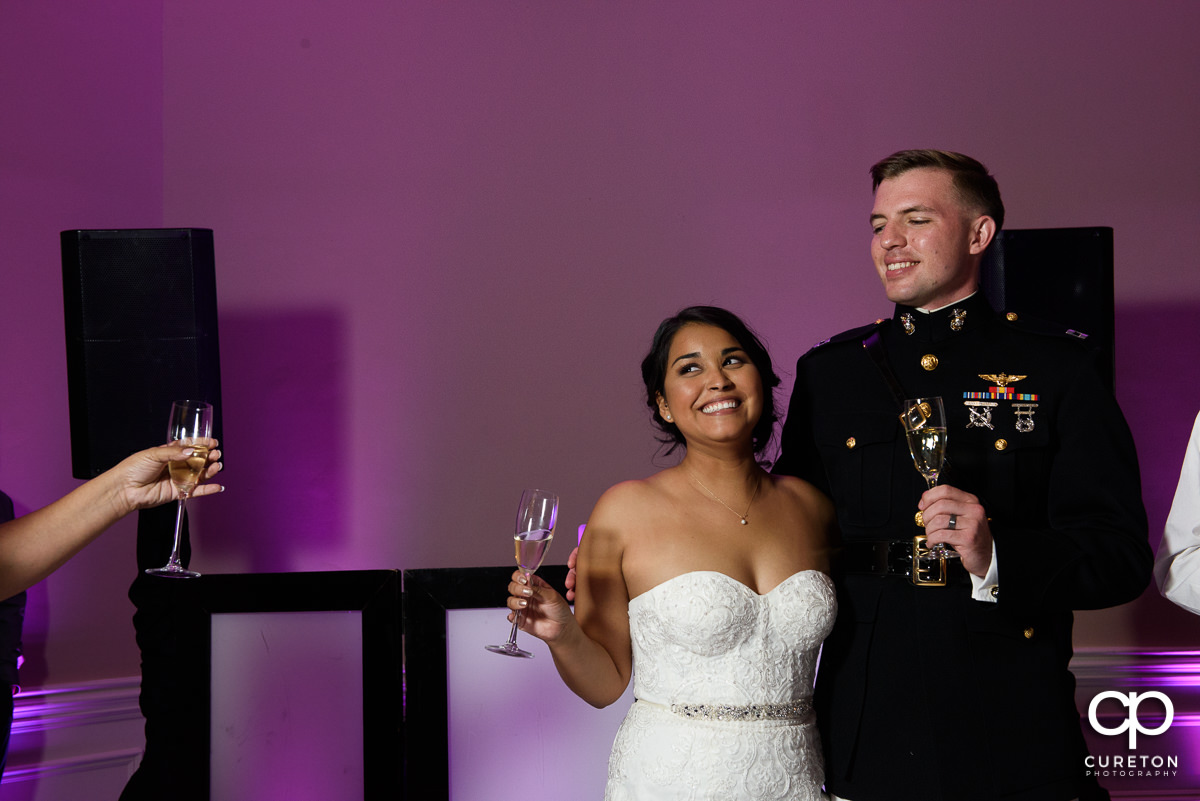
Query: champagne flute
(535, 530)
(190, 422)
(924, 422)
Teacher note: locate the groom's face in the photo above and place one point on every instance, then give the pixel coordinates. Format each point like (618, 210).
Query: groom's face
(925, 242)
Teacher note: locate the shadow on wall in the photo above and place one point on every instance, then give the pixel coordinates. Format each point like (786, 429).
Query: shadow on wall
(1158, 385)
(284, 381)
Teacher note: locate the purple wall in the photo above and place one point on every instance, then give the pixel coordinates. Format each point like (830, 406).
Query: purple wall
(445, 232)
(81, 137)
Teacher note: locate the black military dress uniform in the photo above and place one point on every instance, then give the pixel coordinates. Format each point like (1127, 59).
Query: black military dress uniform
(924, 692)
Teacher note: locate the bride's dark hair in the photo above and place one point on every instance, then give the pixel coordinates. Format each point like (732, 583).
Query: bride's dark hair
(654, 369)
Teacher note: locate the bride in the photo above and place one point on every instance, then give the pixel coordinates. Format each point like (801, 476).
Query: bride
(706, 582)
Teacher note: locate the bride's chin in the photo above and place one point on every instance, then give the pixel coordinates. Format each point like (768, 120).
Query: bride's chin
(738, 443)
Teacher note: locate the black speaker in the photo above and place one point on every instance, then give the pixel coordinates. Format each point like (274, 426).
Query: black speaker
(141, 325)
(1060, 275)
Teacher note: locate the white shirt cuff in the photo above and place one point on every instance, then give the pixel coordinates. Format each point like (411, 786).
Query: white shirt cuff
(987, 589)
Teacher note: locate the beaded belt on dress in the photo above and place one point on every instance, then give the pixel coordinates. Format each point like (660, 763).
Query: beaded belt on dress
(797, 710)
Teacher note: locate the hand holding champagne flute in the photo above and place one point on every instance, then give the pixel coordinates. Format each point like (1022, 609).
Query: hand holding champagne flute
(536, 517)
(190, 424)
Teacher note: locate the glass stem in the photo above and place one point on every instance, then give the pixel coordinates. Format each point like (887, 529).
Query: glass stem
(512, 637)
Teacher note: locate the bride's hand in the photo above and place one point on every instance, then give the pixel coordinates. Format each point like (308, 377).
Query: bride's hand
(544, 613)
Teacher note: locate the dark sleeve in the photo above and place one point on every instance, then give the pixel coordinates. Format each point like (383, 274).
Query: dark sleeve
(1094, 551)
(12, 617)
(798, 446)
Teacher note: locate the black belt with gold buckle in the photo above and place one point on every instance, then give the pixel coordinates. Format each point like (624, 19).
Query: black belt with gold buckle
(909, 558)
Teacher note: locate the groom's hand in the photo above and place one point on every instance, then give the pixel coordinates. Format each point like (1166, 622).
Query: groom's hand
(971, 535)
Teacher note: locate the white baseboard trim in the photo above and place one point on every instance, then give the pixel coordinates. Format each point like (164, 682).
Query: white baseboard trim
(105, 701)
(80, 741)
(126, 761)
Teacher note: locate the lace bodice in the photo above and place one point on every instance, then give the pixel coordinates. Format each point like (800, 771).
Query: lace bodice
(705, 640)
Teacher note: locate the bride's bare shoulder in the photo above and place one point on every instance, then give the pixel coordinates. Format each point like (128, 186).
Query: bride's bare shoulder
(617, 516)
(629, 497)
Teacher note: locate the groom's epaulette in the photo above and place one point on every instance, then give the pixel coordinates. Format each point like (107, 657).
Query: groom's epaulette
(1036, 325)
(853, 335)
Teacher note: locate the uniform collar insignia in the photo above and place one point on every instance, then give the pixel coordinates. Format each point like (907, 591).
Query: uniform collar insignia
(945, 322)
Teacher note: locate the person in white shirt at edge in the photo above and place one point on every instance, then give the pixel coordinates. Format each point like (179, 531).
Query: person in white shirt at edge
(1177, 565)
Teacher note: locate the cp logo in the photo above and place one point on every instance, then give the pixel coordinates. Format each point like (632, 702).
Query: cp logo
(1131, 701)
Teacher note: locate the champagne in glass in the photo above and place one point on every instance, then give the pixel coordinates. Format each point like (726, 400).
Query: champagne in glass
(927, 445)
(531, 548)
(186, 474)
(924, 422)
(190, 424)
(535, 531)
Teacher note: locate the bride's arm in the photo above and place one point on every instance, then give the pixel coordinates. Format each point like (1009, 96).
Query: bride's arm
(591, 649)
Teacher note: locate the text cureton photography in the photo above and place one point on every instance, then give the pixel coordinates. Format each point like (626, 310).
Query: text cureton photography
(1131, 764)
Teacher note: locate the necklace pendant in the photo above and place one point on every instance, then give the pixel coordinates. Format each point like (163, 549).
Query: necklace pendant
(715, 497)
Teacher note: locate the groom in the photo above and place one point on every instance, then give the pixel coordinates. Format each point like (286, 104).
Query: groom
(960, 690)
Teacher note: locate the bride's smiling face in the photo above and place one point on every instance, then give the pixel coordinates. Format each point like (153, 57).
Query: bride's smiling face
(712, 391)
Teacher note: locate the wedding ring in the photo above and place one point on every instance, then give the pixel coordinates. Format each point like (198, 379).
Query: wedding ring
(953, 522)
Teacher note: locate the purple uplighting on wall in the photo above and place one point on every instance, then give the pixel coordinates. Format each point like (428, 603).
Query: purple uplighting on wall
(1166, 669)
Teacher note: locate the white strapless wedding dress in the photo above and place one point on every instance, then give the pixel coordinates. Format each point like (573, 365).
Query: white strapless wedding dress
(723, 678)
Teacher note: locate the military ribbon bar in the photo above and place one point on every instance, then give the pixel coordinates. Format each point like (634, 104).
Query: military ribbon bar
(1000, 393)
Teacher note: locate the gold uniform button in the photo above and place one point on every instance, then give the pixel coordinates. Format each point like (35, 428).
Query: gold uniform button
(1001, 444)
(994, 592)
(1029, 633)
(850, 443)
(929, 362)
(1011, 317)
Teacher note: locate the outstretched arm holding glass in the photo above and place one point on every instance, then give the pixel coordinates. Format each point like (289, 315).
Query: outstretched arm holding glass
(34, 546)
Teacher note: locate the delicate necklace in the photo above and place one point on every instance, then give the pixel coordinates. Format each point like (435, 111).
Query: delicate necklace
(713, 495)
